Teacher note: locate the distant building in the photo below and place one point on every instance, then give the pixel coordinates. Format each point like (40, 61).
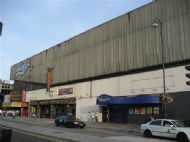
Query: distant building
(5, 88)
(16, 100)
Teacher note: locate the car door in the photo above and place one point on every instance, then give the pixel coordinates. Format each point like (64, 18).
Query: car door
(61, 120)
(168, 129)
(155, 127)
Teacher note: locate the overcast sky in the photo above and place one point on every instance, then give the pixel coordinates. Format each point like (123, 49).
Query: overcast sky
(31, 26)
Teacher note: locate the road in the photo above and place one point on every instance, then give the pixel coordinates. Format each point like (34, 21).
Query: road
(36, 129)
(87, 131)
(19, 136)
(22, 136)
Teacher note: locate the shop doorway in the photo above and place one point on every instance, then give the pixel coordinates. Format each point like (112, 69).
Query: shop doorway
(119, 113)
(105, 114)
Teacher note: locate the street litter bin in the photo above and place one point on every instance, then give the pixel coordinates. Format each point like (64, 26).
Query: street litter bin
(5, 135)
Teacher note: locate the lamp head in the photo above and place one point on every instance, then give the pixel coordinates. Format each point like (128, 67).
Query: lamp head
(155, 24)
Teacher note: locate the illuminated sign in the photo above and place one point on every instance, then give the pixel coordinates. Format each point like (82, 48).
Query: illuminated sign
(12, 104)
(21, 69)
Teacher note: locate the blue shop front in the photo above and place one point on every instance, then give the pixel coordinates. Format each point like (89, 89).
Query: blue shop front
(134, 109)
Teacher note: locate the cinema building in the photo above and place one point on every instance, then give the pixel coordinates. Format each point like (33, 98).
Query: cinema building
(120, 68)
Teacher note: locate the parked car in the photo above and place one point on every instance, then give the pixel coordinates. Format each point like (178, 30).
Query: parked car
(166, 128)
(69, 121)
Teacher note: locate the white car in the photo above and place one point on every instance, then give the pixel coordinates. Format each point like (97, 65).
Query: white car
(166, 128)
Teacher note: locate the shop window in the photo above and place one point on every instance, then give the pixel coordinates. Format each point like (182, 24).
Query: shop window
(149, 110)
(3, 91)
(136, 110)
(131, 110)
(156, 110)
(142, 110)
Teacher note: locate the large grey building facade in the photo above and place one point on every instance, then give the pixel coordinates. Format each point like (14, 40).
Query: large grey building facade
(128, 44)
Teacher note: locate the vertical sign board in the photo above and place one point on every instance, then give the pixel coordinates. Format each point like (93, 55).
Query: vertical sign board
(187, 67)
(23, 96)
(48, 79)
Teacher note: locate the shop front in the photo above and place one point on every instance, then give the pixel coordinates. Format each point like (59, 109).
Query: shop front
(137, 109)
(53, 108)
(12, 106)
(24, 109)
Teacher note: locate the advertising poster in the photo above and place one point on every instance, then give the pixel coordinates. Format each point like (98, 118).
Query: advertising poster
(149, 110)
(156, 110)
(136, 110)
(142, 110)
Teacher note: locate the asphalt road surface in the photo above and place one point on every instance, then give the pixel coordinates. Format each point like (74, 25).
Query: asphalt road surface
(24, 137)
(48, 127)
(21, 136)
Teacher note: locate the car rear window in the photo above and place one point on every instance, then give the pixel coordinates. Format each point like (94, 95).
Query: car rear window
(156, 122)
(61, 117)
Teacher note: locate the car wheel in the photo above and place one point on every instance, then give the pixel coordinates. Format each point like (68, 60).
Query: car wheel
(182, 137)
(147, 133)
(71, 125)
(81, 127)
(57, 124)
(66, 125)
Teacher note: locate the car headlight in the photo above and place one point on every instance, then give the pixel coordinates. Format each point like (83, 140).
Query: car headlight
(76, 123)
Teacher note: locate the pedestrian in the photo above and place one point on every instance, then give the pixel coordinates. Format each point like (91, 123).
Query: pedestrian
(13, 114)
(89, 117)
(93, 116)
(152, 117)
(4, 112)
(34, 116)
(108, 115)
(96, 116)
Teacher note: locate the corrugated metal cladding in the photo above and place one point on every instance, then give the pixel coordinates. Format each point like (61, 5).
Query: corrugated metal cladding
(124, 43)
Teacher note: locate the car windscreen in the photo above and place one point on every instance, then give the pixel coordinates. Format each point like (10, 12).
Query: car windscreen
(178, 123)
(61, 117)
(71, 118)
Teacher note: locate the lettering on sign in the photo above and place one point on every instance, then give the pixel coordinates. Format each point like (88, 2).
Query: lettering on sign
(65, 91)
(21, 69)
(15, 96)
(103, 99)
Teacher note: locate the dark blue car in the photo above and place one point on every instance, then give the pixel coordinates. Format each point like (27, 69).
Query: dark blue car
(69, 121)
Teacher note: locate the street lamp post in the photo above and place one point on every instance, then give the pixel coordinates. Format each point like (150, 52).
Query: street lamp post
(157, 23)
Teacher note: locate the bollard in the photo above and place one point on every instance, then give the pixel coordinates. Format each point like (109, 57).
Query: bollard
(5, 135)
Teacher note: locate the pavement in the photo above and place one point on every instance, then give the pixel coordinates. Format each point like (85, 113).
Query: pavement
(114, 126)
(98, 125)
(66, 136)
